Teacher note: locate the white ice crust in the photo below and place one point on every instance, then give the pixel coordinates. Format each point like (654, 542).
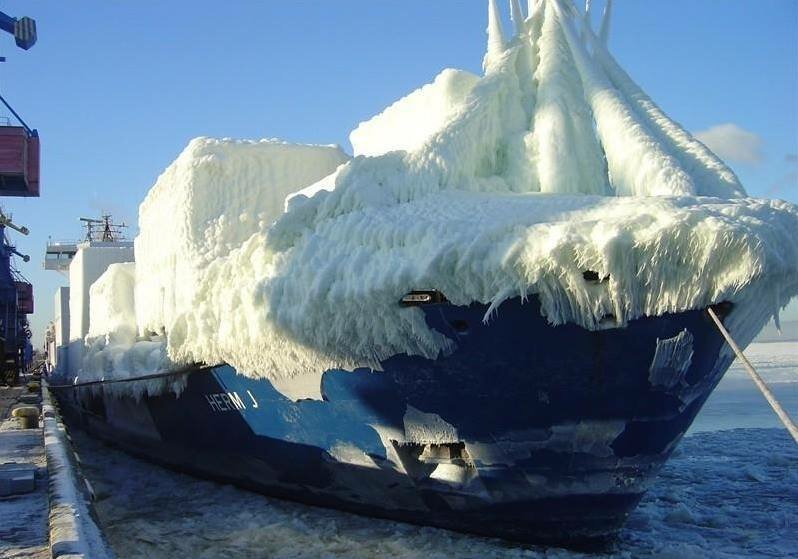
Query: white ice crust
(214, 197)
(552, 164)
(113, 309)
(410, 122)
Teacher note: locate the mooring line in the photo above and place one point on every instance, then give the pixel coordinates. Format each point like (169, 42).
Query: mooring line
(133, 379)
(785, 419)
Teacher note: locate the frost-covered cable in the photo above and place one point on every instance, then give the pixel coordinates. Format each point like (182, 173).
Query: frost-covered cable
(714, 177)
(154, 376)
(517, 17)
(638, 163)
(785, 419)
(604, 30)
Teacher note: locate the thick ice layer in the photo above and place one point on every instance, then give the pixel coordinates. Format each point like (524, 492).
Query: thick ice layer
(113, 348)
(113, 309)
(86, 267)
(210, 200)
(412, 120)
(336, 290)
(553, 164)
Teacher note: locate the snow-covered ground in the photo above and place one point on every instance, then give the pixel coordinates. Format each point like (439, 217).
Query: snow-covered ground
(23, 517)
(730, 490)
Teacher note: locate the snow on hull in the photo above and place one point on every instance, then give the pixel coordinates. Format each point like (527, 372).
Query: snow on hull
(552, 164)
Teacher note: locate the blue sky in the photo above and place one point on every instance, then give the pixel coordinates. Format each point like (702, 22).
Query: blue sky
(117, 89)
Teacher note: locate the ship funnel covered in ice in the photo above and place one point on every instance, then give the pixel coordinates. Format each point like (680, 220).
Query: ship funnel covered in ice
(514, 183)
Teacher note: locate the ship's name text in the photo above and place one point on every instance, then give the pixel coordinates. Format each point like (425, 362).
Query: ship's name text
(230, 401)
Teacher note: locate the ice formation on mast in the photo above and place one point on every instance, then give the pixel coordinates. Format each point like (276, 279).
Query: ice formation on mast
(517, 17)
(604, 30)
(554, 162)
(495, 37)
(572, 92)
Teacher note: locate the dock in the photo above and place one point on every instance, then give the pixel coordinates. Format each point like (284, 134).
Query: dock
(45, 503)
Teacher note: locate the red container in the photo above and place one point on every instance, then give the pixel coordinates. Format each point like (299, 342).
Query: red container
(19, 162)
(24, 297)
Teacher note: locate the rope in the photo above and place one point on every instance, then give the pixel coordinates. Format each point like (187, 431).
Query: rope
(134, 379)
(785, 419)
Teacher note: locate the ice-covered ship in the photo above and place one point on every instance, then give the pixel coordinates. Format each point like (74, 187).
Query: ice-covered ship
(492, 319)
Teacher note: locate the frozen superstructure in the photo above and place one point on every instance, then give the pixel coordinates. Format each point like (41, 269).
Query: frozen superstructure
(552, 164)
(91, 259)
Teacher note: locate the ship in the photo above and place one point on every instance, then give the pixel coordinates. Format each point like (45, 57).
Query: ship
(568, 441)
(525, 422)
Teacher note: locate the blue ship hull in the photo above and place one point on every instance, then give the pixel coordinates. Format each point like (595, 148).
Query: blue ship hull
(526, 431)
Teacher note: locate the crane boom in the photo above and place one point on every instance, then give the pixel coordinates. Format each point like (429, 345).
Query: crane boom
(23, 29)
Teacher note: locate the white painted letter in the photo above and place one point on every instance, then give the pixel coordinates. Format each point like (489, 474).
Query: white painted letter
(254, 401)
(236, 399)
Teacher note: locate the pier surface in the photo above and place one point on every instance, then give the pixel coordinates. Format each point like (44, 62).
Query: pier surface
(44, 508)
(23, 512)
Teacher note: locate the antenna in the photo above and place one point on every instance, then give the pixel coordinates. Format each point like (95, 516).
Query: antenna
(104, 229)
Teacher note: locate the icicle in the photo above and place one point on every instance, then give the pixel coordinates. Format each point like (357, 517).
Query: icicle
(517, 16)
(495, 37)
(604, 31)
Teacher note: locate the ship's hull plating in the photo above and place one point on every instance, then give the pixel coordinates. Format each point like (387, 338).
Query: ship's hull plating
(526, 431)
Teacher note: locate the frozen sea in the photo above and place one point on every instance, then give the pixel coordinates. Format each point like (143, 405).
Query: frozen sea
(730, 490)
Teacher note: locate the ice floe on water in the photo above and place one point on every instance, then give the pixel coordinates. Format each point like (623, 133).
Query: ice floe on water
(723, 494)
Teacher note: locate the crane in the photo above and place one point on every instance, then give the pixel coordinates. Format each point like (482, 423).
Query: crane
(23, 30)
(19, 176)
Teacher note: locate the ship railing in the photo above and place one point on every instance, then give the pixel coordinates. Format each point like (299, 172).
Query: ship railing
(62, 242)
